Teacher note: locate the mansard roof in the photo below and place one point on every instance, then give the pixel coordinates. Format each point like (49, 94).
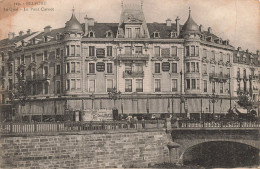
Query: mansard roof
(18, 38)
(100, 29)
(243, 57)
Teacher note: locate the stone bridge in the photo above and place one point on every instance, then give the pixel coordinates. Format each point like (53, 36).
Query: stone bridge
(185, 139)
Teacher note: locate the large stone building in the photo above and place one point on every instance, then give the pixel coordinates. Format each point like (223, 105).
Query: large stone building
(131, 66)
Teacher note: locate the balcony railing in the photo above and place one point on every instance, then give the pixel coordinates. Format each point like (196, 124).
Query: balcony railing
(38, 77)
(129, 73)
(253, 77)
(218, 76)
(127, 57)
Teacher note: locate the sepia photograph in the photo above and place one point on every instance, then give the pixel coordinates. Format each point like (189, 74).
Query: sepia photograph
(129, 84)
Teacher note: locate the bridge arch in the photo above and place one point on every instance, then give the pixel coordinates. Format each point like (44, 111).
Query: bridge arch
(196, 151)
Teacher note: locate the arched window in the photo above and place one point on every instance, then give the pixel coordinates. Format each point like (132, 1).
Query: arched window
(91, 34)
(109, 34)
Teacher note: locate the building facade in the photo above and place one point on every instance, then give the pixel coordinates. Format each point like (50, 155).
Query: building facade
(132, 66)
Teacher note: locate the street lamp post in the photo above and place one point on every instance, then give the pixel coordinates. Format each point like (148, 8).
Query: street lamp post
(113, 94)
(213, 99)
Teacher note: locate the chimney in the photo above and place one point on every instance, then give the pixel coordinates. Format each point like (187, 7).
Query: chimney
(168, 22)
(209, 30)
(86, 25)
(177, 25)
(239, 49)
(47, 29)
(91, 22)
(201, 28)
(10, 35)
(257, 52)
(21, 33)
(13, 35)
(28, 32)
(247, 51)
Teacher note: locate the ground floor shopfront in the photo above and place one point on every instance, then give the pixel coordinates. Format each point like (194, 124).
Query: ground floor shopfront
(102, 108)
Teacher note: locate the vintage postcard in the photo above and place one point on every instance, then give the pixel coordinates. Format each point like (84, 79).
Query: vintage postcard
(129, 83)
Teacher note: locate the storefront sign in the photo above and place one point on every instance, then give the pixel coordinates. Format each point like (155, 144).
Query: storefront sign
(165, 66)
(166, 52)
(100, 67)
(100, 52)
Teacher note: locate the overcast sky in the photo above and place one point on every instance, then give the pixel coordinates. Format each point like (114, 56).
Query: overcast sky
(236, 20)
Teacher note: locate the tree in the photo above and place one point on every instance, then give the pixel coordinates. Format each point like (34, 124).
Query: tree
(244, 102)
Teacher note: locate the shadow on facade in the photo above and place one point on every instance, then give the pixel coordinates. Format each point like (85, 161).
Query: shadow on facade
(222, 154)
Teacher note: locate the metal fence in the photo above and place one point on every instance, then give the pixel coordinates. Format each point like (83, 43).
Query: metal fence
(41, 127)
(190, 124)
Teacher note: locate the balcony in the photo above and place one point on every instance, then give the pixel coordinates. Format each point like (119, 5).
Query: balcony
(228, 63)
(205, 60)
(21, 66)
(131, 57)
(133, 74)
(213, 61)
(39, 77)
(253, 77)
(218, 77)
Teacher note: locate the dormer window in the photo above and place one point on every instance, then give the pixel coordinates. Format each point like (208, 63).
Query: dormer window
(156, 34)
(91, 34)
(45, 39)
(173, 35)
(109, 34)
(57, 36)
(33, 41)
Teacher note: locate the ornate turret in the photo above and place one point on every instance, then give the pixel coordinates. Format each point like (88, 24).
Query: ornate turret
(190, 26)
(73, 25)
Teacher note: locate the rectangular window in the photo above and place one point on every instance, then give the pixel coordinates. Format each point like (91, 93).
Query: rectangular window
(187, 83)
(109, 85)
(174, 85)
(128, 50)
(204, 69)
(228, 71)
(221, 86)
(157, 68)
(78, 84)
(174, 50)
(72, 50)
(10, 81)
(221, 56)
(157, 85)
(193, 83)
(61, 53)
(45, 56)
(198, 84)
(138, 50)
(46, 70)
(109, 68)
(205, 86)
(213, 69)
(78, 67)
(33, 57)
(213, 55)
(58, 52)
(34, 89)
(10, 69)
(204, 53)
(128, 85)
(157, 51)
(73, 67)
(68, 68)
(197, 67)
(139, 85)
(228, 57)
(68, 50)
(57, 69)
(187, 67)
(68, 85)
(192, 51)
(128, 33)
(91, 67)
(109, 50)
(187, 51)
(3, 83)
(139, 67)
(92, 51)
(3, 56)
(78, 50)
(46, 88)
(137, 32)
(197, 50)
(192, 66)
(91, 85)
(174, 67)
(213, 87)
(3, 99)
(73, 84)
(128, 67)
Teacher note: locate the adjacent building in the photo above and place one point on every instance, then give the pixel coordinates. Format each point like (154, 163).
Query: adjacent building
(86, 70)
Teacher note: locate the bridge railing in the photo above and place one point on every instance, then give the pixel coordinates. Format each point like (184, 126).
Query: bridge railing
(237, 124)
(40, 127)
